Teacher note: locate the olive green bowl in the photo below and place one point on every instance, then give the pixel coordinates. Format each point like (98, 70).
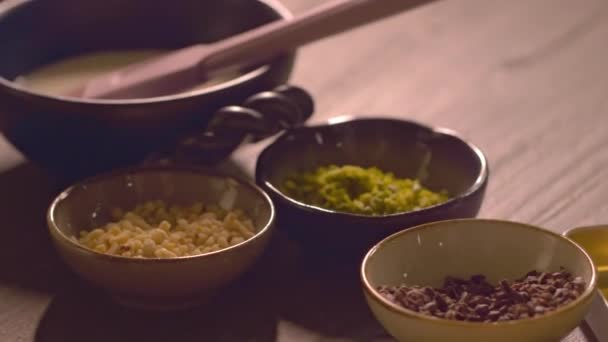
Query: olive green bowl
(593, 239)
(151, 283)
(426, 254)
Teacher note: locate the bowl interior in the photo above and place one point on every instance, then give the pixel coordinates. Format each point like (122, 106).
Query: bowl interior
(88, 205)
(440, 161)
(593, 240)
(67, 28)
(498, 249)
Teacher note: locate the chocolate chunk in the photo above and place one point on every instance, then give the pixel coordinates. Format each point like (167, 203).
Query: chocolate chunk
(476, 300)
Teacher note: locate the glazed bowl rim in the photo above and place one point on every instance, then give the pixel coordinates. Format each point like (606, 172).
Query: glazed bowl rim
(587, 295)
(478, 184)
(279, 9)
(58, 233)
(568, 232)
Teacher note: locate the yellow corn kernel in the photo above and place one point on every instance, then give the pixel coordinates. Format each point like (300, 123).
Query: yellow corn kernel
(176, 236)
(114, 229)
(126, 225)
(201, 238)
(236, 240)
(169, 244)
(137, 221)
(95, 233)
(190, 229)
(249, 225)
(210, 241)
(158, 235)
(182, 250)
(121, 238)
(164, 253)
(149, 248)
(152, 229)
(165, 225)
(222, 242)
(103, 238)
(101, 248)
(113, 248)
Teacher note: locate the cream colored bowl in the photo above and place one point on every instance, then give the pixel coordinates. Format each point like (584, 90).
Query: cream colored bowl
(158, 283)
(426, 254)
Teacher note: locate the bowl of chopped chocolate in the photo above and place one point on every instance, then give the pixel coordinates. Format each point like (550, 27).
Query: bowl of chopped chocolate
(478, 280)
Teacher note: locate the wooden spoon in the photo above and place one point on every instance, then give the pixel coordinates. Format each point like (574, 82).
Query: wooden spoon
(188, 67)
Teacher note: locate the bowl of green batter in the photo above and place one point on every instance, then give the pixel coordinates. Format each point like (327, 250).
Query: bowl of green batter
(341, 187)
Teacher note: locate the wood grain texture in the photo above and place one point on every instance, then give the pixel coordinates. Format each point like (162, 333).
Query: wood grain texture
(525, 80)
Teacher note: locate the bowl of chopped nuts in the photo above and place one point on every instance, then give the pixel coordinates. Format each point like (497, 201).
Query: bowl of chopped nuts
(341, 187)
(478, 280)
(161, 238)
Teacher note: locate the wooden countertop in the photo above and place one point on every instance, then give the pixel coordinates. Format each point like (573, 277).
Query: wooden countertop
(524, 80)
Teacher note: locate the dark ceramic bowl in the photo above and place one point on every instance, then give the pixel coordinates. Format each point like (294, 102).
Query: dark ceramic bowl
(438, 157)
(75, 137)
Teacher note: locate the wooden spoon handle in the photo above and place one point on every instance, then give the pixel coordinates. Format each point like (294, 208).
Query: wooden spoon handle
(325, 20)
(187, 67)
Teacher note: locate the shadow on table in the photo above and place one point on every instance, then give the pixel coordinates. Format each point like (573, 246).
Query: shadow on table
(80, 312)
(27, 258)
(86, 314)
(326, 298)
(588, 333)
(284, 298)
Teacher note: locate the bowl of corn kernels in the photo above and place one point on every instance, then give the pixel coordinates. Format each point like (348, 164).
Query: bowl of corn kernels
(161, 238)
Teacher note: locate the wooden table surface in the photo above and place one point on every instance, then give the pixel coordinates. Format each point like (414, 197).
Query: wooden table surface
(525, 80)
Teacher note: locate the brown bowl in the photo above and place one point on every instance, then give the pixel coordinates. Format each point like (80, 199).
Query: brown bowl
(74, 137)
(157, 283)
(438, 157)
